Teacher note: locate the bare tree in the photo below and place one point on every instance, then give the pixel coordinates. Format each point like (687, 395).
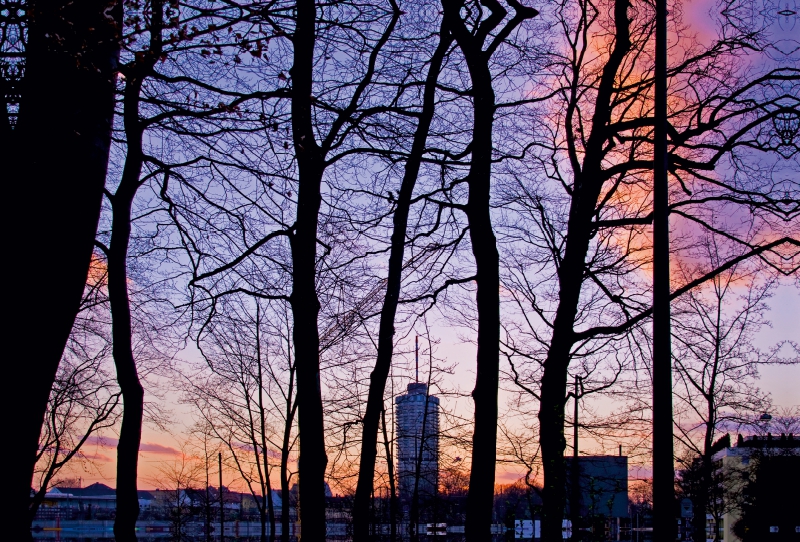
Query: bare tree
(245, 397)
(84, 398)
(177, 480)
(587, 203)
(159, 96)
(716, 369)
(478, 40)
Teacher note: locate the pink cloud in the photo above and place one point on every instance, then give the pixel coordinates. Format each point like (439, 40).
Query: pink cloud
(105, 442)
(151, 447)
(96, 457)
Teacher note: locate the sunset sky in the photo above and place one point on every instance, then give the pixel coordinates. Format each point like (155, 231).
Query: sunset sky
(163, 447)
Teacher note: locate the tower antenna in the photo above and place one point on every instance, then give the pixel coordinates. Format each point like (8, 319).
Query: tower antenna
(416, 349)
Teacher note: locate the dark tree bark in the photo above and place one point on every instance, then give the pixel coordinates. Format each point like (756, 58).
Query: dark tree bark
(380, 373)
(127, 374)
(586, 191)
(484, 249)
(311, 164)
(305, 303)
(55, 162)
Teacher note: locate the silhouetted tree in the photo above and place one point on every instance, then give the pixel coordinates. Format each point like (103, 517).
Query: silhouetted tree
(586, 202)
(478, 39)
(59, 62)
(84, 398)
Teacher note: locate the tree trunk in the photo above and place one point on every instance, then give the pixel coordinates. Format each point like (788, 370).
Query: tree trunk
(291, 406)
(130, 434)
(480, 499)
(392, 490)
(484, 249)
(285, 495)
(414, 511)
(305, 303)
(262, 413)
(379, 375)
(127, 373)
(575, 498)
(586, 190)
(55, 162)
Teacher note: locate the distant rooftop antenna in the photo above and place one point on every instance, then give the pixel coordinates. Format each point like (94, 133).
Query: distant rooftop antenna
(416, 350)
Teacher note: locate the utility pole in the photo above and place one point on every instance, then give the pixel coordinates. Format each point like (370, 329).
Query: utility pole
(575, 501)
(575, 425)
(208, 501)
(663, 457)
(221, 503)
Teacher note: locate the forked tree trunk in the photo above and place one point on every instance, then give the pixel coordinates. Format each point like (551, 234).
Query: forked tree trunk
(54, 168)
(379, 375)
(480, 499)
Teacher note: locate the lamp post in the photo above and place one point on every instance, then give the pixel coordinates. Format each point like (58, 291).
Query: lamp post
(663, 465)
(221, 503)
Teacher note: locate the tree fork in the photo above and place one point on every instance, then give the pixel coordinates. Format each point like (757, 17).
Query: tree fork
(480, 498)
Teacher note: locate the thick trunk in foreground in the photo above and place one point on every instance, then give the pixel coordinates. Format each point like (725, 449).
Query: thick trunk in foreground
(379, 375)
(480, 499)
(304, 301)
(54, 169)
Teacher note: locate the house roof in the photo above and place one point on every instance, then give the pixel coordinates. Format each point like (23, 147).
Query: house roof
(95, 490)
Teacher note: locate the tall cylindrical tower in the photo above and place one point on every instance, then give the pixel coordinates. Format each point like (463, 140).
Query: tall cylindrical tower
(417, 442)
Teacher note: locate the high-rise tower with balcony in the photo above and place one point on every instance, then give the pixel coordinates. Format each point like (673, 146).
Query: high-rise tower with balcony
(417, 417)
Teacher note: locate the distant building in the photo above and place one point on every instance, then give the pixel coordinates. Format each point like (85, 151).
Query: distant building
(603, 481)
(417, 416)
(760, 477)
(96, 501)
